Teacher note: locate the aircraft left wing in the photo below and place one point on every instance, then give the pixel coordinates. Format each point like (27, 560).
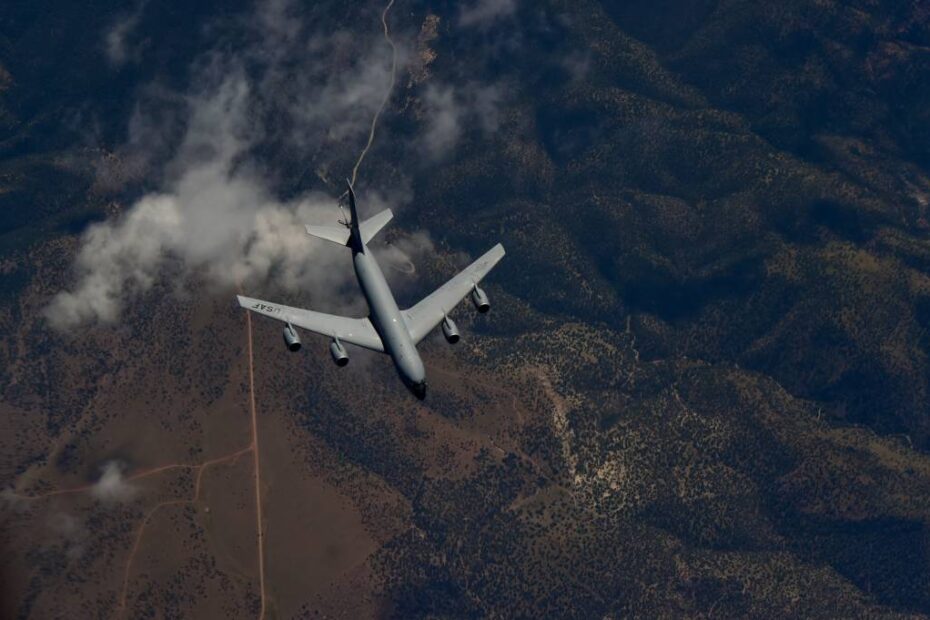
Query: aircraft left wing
(359, 332)
(429, 312)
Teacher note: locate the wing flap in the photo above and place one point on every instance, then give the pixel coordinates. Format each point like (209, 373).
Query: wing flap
(422, 318)
(359, 332)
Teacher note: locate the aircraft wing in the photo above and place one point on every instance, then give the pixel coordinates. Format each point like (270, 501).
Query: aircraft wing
(359, 332)
(428, 313)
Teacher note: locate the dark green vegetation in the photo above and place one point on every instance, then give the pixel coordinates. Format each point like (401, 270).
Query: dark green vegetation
(713, 316)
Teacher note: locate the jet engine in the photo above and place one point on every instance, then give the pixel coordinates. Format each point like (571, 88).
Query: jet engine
(450, 330)
(339, 353)
(480, 299)
(291, 339)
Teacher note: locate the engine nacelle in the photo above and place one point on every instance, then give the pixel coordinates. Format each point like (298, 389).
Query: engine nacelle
(339, 353)
(291, 339)
(450, 330)
(480, 299)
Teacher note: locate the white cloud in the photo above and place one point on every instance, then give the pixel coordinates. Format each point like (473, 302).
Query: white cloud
(216, 218)
(157, 120)
(402, 255)
(333, 91)
(112, 485)
(448, 110)
(484, 12)
(117, 46)
(215, 213)
(443, 120)
(116, 257)
(578, 65)
(486, 101)
(70, 533)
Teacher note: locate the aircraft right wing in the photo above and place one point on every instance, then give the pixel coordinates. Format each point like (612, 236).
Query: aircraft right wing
(359, 332)
(429, 312)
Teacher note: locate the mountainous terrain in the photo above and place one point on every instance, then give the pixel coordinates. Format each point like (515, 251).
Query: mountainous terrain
(703, 389)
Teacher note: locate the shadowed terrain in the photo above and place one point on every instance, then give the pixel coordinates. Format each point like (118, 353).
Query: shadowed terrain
(702, 390)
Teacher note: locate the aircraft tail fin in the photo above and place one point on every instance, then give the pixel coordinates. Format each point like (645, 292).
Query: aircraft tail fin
(351, 227)
(341, 236)
(353, 213)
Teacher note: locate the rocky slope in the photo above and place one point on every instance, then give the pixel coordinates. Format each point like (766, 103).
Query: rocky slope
(703, 389)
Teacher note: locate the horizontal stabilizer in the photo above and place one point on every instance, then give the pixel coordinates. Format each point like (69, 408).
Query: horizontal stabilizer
(336, 234)
(370, 227)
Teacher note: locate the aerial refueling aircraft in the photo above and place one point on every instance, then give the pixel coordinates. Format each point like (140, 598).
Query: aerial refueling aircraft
(387, 328)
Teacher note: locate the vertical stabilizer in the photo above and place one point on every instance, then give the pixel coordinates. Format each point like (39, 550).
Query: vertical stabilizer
(352, 232)
(356, 237)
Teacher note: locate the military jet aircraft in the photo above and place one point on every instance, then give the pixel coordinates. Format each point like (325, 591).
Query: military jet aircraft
(387, 328)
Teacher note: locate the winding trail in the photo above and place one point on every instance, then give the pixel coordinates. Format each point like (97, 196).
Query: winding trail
(387, 94)
(127, 572)
(253, 446)
(145, 473)
(200, 468)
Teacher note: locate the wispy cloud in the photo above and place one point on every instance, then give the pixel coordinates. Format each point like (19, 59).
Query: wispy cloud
(112, 485)
(70, 533)
(577, 65)
(481, 13)
(449, 111)
(117, 37)
(443, 119)
(216, 214)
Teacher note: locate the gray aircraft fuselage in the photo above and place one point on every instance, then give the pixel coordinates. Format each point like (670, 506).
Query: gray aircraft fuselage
(386, 329)
(387, 320)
